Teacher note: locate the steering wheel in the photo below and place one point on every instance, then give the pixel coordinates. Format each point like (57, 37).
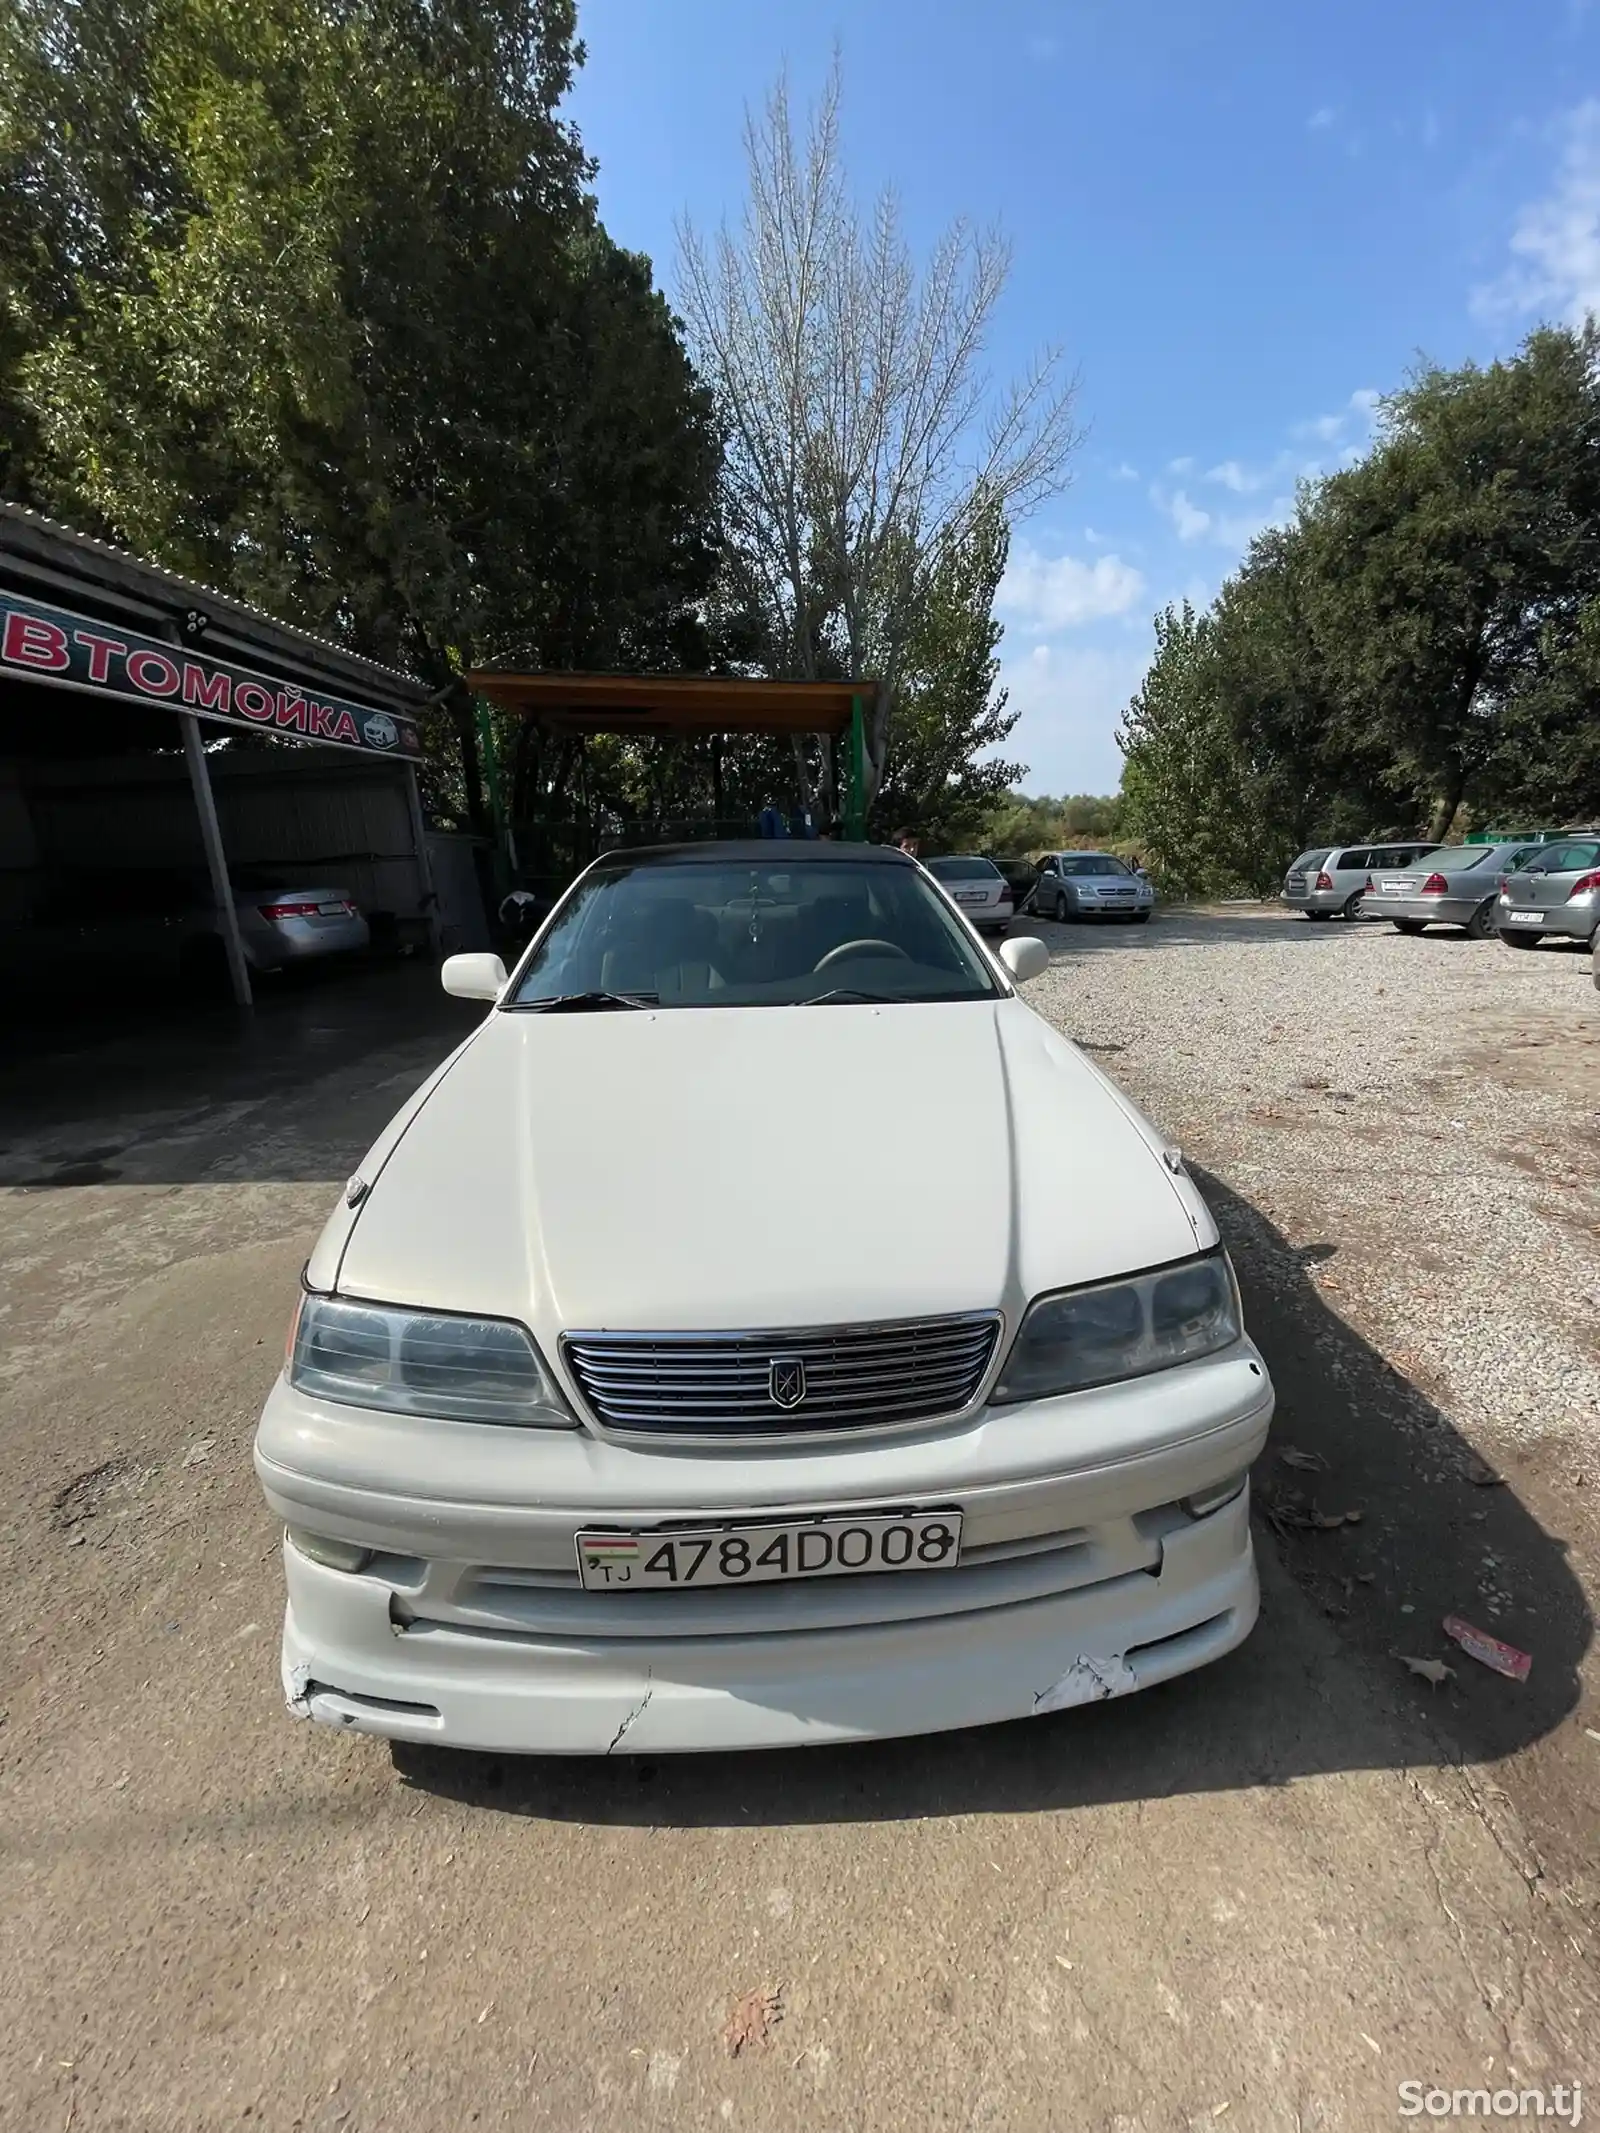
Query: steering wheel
(846, 949)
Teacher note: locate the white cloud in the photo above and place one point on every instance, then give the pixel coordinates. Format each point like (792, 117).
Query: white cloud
(1071, 698)
(1355, 421)
(1123, 472)
(1048, 593)
(1234, 530)
(1321, 119)
(1180, 466)
(1556, 243)
(1192, 523)
(1241, 480)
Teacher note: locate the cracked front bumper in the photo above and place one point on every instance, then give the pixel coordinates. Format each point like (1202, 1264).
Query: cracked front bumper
(350, 1661)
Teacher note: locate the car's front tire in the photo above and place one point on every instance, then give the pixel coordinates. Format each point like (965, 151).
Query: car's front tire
(1063, 910)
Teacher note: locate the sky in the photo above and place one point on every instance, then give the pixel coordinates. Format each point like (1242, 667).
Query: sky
(1242, 220)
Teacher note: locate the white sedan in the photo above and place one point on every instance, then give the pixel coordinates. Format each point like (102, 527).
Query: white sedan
(765, 1329)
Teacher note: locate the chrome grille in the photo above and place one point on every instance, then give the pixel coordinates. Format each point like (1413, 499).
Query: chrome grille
(722, 1384)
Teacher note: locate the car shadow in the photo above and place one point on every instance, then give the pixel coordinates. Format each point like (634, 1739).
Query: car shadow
(1406, 1536)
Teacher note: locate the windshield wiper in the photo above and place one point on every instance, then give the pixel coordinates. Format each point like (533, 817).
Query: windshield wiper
(850, 992)
(579, 1003)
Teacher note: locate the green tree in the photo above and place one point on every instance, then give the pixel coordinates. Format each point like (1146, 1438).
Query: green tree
(864, 442)
(1455, 564)
(1018, 826)
(939, 774)
(1188, 795)
(309, 298)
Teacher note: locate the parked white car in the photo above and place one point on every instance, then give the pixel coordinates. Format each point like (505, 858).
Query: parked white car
(622, 1413)
(978, 886)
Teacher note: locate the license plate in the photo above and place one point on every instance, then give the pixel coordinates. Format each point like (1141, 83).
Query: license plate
(333, 910)
(1395, 888)
(1525, 918)
(972, 896)
(764, 1554)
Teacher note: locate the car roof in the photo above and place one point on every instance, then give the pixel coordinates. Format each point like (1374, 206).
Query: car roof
(792, 851)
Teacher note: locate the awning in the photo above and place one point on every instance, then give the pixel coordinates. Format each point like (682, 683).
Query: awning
(674, 703)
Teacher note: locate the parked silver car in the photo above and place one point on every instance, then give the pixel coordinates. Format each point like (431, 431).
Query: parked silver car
(977, 886)
(140, 925)
(1454, 885)
(1332, 879)
(1556, 892)
(1090, 885)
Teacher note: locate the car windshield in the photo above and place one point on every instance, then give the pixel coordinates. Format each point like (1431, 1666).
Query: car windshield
(1093, 863)
(724, 933)
(963, 870)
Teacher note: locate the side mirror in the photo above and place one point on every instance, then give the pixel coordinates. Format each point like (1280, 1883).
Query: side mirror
(473, 977)
(1025, 957)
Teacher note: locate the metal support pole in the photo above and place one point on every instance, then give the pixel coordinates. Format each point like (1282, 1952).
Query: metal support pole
(856, 805)
(419, 844)
(216, 859)
(503, 860)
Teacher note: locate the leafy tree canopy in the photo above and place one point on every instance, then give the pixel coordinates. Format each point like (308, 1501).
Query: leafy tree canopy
(1418, 649)
(310, 299)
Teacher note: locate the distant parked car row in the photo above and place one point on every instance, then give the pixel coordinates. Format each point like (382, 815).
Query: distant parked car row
(1064, 886)
(1518, 892)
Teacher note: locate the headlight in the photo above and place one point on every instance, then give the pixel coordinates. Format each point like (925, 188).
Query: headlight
(1122, 1329)
(423, 1363)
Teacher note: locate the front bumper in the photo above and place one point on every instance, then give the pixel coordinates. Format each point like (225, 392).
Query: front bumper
(1081, 1577)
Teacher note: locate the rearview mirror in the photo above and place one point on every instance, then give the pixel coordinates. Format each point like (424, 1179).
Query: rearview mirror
(473, 977)
(1025, 957)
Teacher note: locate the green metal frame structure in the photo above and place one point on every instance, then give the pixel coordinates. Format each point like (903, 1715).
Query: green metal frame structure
(644, 705)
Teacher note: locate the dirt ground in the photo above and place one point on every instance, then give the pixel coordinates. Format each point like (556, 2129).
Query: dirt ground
(1264, 1896)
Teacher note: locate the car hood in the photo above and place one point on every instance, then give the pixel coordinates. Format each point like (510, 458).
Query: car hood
(708, 1169)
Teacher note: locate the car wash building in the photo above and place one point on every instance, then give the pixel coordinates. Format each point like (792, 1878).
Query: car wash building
(134, 705)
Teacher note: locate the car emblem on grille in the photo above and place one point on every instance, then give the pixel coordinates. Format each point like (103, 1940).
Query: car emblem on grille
(786, 1381)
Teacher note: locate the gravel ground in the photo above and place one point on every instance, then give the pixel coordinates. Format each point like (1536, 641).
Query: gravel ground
(1418, 1116)
(1399, 1138)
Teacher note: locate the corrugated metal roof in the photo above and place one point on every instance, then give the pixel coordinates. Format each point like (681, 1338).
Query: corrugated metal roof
(156, 578)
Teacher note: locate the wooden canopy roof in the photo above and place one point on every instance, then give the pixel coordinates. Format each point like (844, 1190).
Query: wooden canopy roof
(673, 703)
